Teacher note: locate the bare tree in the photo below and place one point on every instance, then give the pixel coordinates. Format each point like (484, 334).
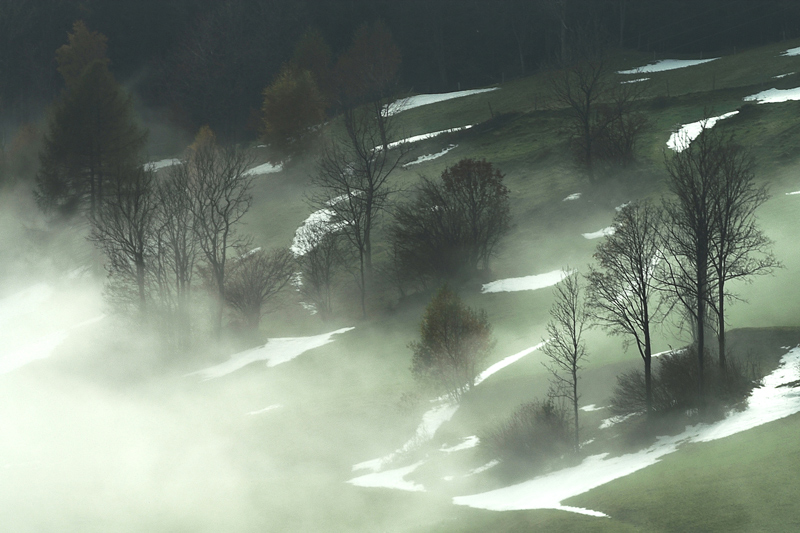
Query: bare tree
(739, 249)
(694, 176)
(624, 293)
(319, 253)
(352, 182)
(123, 226)
(220, 189)
(566, 350)
(177, 245)
(255, 278)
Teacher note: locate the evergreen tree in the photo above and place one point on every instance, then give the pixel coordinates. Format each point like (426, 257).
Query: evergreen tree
(92, 136)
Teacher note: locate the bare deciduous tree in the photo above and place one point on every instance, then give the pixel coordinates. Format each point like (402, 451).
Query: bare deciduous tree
(220, 190)
(320, 256)
(123, 226)
(566, 350)
(352, 182)
(624, 293)
(739, 249)
(255, 278)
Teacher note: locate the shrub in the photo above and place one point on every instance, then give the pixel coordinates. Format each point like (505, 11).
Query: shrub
(454, 341)
(675, 385)
(536, 434)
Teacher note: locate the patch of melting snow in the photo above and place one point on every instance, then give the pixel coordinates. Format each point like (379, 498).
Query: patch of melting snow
(505, 362)
(774, 96)
(484, 468)
(637, 80)
(666, 64)
(431, 421)
(792, 52)
(430, 157)
(390, 479)
(157, 165)
(591, 407)
(417, 138)
(767, 403)
(599, 233)
(41, 349)
(527, 283)
(681, 139)
(792, 193)
(404, 104)
(573, 196)
(266, 409)
(274, 352)
(614, 420)
(621, 207)
(779, 76)
(467, 443)
(266, 168)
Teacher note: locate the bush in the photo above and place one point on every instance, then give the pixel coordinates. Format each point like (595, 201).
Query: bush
(675, 385)
(454, 342)
(452, 226)
(535, 435)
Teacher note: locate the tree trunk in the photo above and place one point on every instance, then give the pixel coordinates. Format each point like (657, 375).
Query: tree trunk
(648, 380)
(721, 320)
(220, 304)
(140, 283)
(363, 286)
(575, 407)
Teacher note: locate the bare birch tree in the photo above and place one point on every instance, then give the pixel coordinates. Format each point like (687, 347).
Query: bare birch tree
(566, 350)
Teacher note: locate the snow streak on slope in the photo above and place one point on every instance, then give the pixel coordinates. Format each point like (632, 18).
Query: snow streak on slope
(527, 283)
(404, 104)
(774, 96)
(431, 421)
(666, 64)
(430, 157)
(792, 52)
(599, 233)
(274, 352)
(769, 402)
(422, 137)
(157, 165)
(680, 140)
(266, 168)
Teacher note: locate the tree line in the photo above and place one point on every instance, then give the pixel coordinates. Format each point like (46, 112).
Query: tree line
(183, 55)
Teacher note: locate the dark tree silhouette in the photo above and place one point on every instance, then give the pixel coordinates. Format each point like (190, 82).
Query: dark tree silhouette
(565, 348)
(624, 293)
(256, 278)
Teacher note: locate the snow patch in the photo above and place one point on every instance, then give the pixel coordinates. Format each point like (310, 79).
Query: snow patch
(153, 166)
(390, 479)
(266, 409)
(792, 193)
(527, 283)
(404, 104)
(779, 76)
(666, 64)
(467, 443)
(792, 52)
(274, 352)
(417, 138)
(591, 407)
(266, 168)
(507, 361)
(680, 140)
(573, 196)
(774, 96)
(430, 157)
(484, 468)
(599, 233)
(614, 420)
(769, 402)
(637, 80)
